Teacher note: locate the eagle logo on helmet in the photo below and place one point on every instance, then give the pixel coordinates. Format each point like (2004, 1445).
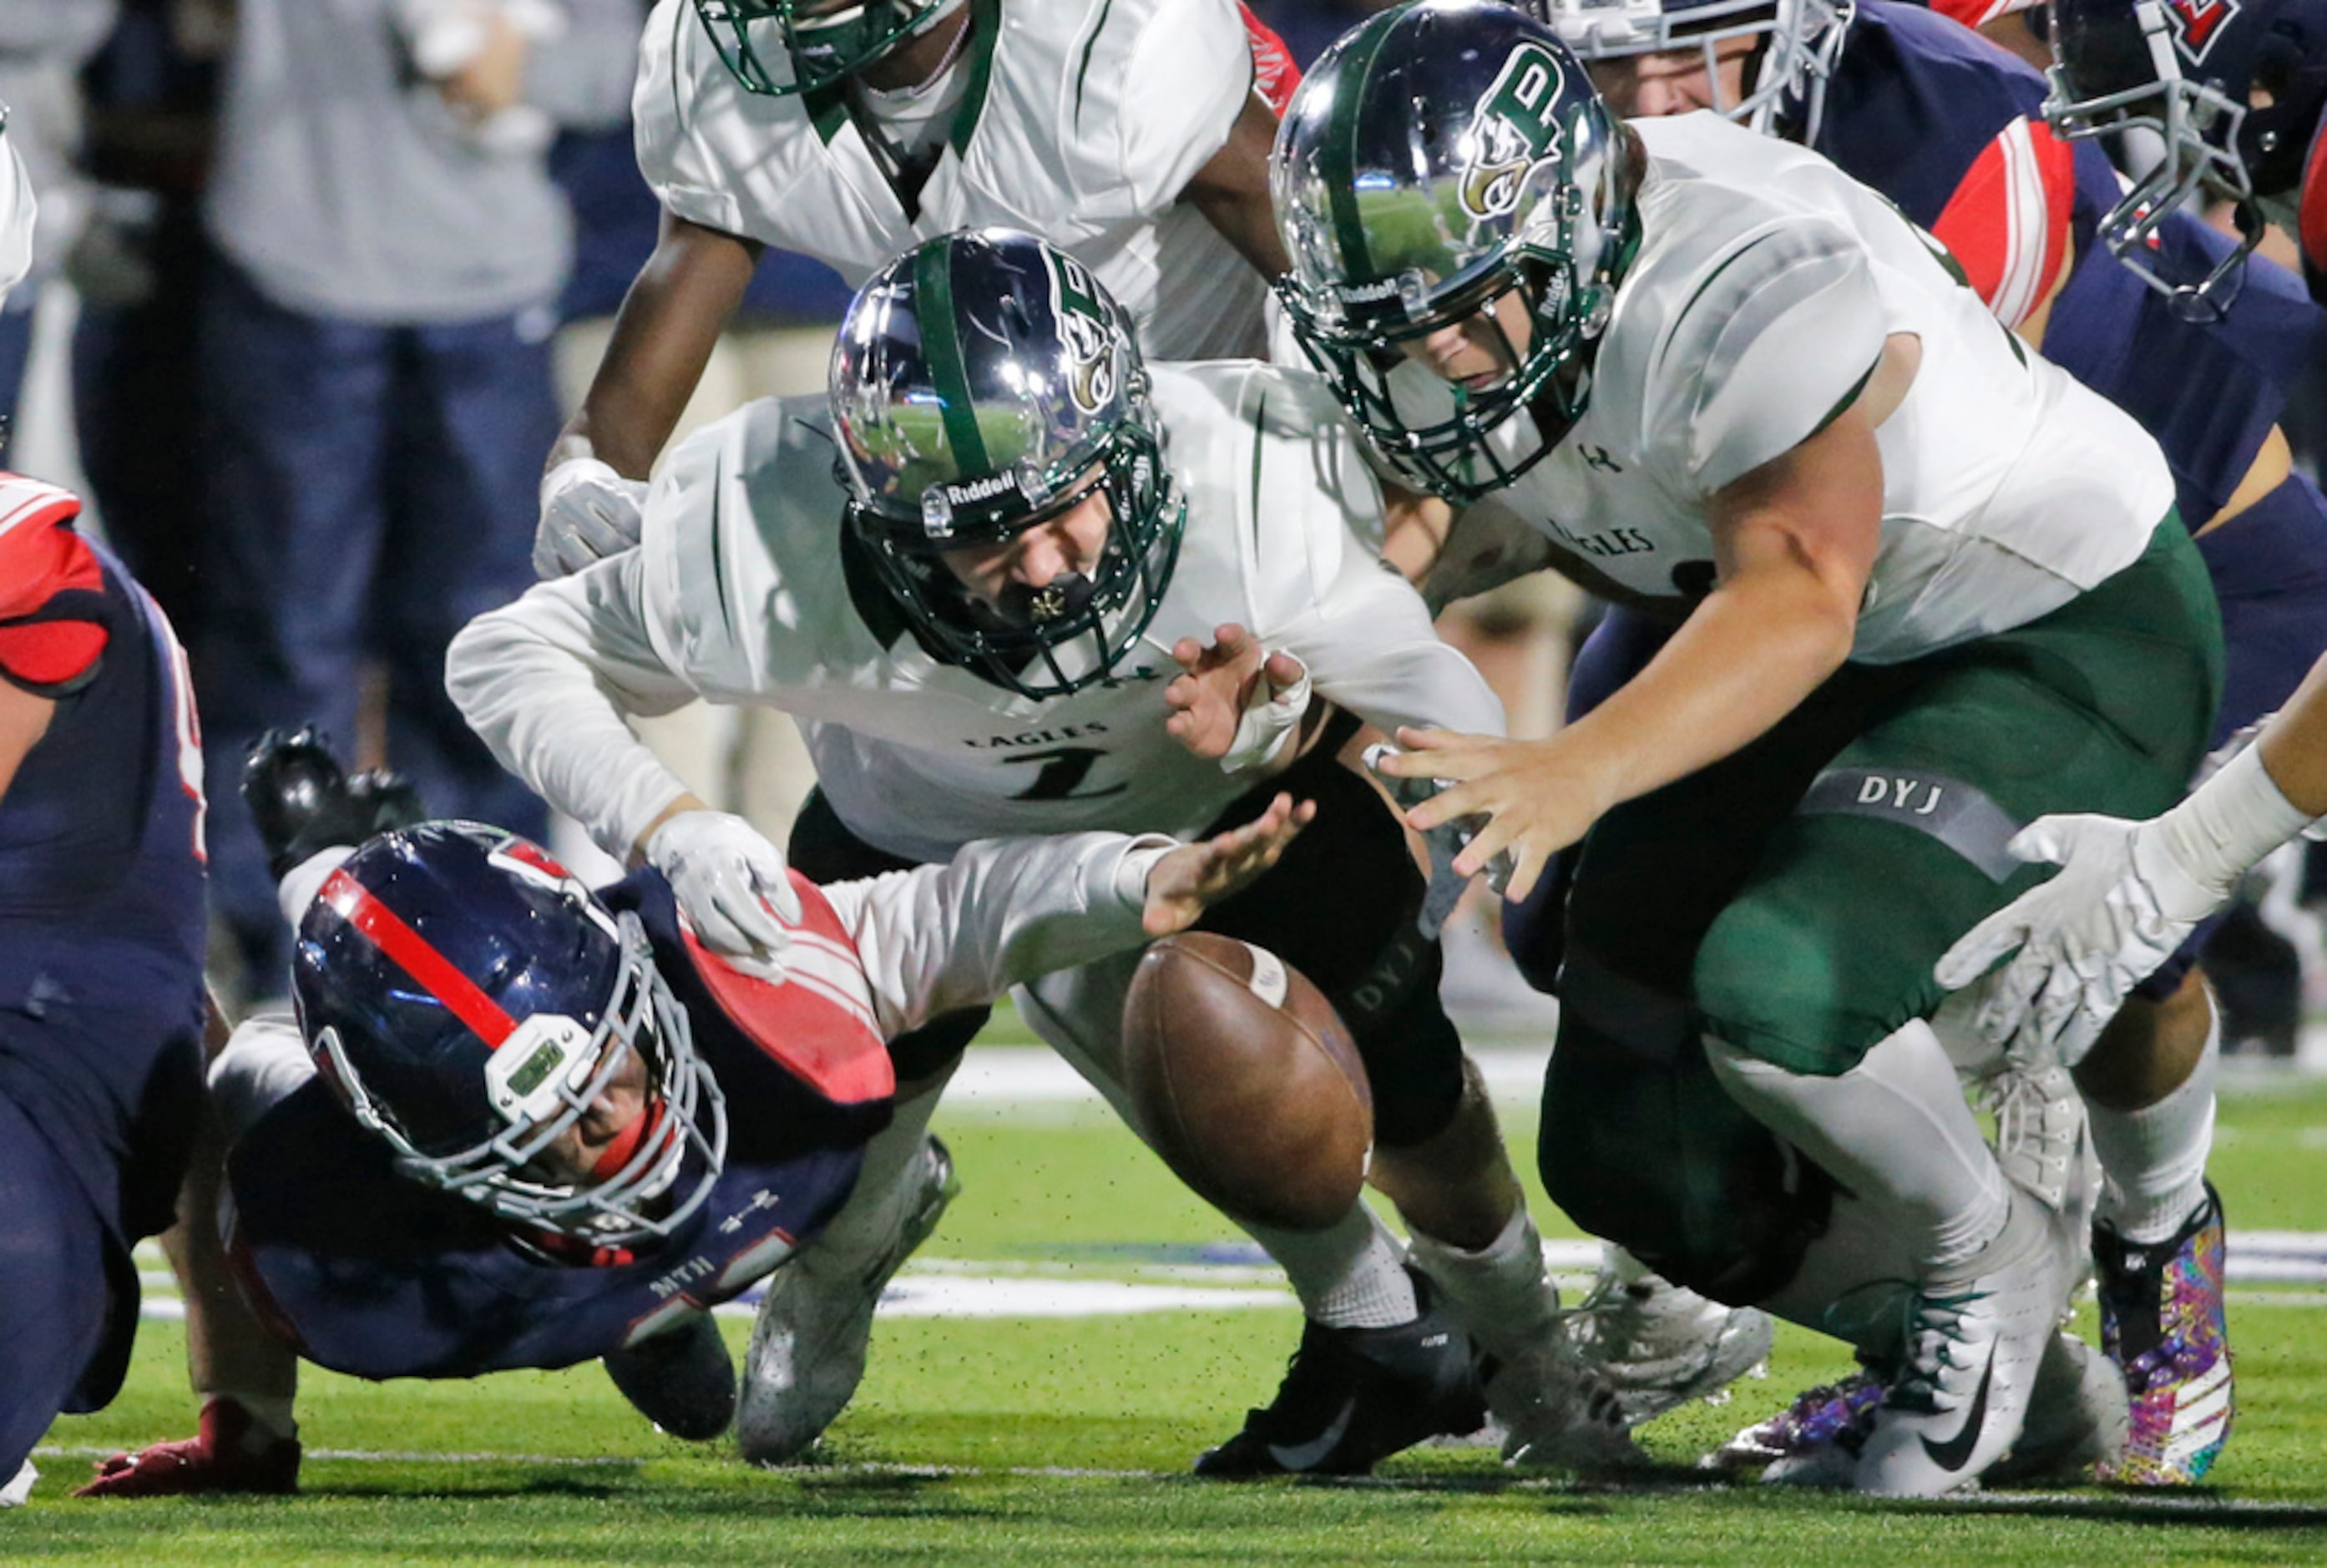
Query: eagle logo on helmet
(1086, 330)
(1515, 131)
(2197, 23)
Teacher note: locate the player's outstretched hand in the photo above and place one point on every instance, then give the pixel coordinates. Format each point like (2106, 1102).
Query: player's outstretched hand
(1184, 883)
(731, 885)
(588, 512)
(2082, 941)
(1235, 701)
(1523, 802)
(229, 1454)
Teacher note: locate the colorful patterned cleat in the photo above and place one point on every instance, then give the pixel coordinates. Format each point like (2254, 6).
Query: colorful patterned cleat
(1815, 1422)
(2163, 1323)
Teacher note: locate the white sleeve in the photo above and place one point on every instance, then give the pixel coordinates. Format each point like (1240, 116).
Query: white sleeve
(1188, 73)
(546, 681)
(264, 1063)
(671, 98)
(1778, 339)
(1002, 912)
(1321, 593)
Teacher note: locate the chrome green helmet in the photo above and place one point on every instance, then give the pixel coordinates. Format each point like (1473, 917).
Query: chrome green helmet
(985, 383)
(823, 41)
(1440, 156)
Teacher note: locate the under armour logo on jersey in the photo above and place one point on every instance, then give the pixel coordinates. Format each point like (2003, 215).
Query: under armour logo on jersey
(1596, 457)
(1514, 129)
(2197, 23)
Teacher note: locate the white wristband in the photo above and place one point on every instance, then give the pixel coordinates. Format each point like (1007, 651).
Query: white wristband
(2229, 823)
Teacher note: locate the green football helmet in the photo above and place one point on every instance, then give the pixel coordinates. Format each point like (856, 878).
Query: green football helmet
(823, 41)
(985, 383)
(1440, 156)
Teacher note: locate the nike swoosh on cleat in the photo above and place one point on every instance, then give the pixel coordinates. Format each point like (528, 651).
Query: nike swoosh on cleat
(1955, 1452)
(1301, 1457)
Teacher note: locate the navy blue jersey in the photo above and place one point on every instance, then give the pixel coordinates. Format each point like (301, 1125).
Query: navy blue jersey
(101, 916)
(1952, 129)
(369, 1272)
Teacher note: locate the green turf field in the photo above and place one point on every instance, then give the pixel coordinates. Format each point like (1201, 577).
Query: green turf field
(1065, 1439)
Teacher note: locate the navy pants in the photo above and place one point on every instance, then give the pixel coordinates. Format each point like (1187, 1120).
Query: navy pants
(374, 489)
(54, 1307)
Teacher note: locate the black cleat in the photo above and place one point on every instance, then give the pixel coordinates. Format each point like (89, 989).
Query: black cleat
(1352, 1397)
(304, 801)
(683, 1381)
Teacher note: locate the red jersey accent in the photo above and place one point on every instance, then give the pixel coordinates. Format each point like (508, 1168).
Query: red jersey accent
(1275, 72)
(2008, 221)
(410, 951)
(819, 1023)
(41, 558)
(1973, 12)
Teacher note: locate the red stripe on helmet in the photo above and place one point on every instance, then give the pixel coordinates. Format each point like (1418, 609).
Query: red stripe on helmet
(353, 903)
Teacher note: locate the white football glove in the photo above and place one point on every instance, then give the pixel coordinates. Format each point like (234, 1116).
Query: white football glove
(2079, 943)
(731, 885)
(2127, 895)
(588, 512)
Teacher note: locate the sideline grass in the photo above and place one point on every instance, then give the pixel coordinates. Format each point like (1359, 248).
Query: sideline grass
(1065, 1439)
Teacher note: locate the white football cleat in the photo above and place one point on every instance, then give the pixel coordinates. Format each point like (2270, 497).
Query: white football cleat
(815, 1325)
(19, 1492)
(1975, 1336)
(1657, 1345)
(1556, 1413)
(2079, 1417)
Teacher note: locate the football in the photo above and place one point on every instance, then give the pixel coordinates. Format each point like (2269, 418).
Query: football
(1246, 1082)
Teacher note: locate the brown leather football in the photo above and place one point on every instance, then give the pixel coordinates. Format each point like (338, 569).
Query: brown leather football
(1246, 1082)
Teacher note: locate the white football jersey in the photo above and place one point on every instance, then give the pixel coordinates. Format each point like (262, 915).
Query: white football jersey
(1758, 304)
(1081, 121)
(738, 593)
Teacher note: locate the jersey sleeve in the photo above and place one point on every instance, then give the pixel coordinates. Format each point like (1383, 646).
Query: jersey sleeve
(673, 96)
(1779, 334)
(1322, 593)
(53, 613)
(1179, 89)
(2009, 222)
(265, 1063)
(545, 682)
(1001, 912)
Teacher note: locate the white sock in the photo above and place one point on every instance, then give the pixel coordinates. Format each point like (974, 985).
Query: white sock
(1894, 1129)
(2155, 1159)
(1501, 1293)
(867, 1223)
(1351, 1276)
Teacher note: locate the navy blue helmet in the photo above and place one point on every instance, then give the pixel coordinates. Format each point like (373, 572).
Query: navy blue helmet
(2206, 100)
(468, 1000)
(985, 383)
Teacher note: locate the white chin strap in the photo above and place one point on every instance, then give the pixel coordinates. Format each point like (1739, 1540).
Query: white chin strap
(17, 210)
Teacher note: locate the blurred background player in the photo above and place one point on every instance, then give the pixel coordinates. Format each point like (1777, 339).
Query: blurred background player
(376, 374)
(1722, 381)
(101, 928)
(512, 1111)
(988, 647)
(1129, 134)
(1954, 131)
